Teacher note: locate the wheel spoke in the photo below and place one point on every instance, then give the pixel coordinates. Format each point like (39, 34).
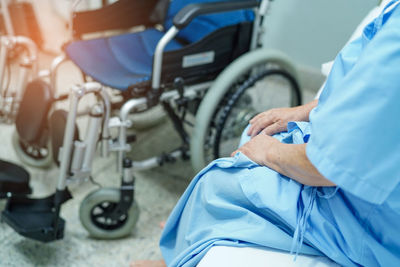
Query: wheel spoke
(262, 90)
(96, 216)
(101, 216)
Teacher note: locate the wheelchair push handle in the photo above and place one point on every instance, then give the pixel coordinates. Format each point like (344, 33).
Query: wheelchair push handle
(189, 12)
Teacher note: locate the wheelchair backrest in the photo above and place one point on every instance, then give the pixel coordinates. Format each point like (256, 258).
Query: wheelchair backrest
(204, 25)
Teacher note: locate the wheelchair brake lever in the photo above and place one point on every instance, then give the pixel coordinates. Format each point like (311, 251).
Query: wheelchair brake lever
(179, 84)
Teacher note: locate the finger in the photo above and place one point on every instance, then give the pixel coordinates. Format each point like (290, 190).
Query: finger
(253, 122)
(257, 128)
(234, 153)
(251, 130)
(256, 117)
(272, 129)
(259, 125)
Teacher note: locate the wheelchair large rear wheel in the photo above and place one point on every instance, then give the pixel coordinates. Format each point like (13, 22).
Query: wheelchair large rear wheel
(258, 81)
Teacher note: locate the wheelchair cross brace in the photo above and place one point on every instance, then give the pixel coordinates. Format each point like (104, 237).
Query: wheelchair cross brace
(136, 104)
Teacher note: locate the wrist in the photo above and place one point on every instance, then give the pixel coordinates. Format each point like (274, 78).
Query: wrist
(304, 110)
(272, 155)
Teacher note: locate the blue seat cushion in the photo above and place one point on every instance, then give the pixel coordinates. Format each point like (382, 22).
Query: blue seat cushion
(118, 61)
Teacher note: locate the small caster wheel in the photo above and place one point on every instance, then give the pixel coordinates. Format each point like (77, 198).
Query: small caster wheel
(96, 210)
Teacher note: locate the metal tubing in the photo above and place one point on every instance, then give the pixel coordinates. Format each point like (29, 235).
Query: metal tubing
(92, 87)
(97, 88)
(107, 111)
(75, 94)
(30, 47)
(260, 14)
(153, 162)
(6, 17)
(4, 42)
(130, 105)
(105, 149)
(146, 164)
(21, 83)
(189, 91)
(127, 176)
(127, 108)
(55, 64)
(92, 136)
(264, 7)
(77, 158)
(158, 54)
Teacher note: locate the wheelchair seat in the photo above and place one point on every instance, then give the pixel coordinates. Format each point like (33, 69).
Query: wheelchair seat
(118, 61)
(122, 61)
(13, 179)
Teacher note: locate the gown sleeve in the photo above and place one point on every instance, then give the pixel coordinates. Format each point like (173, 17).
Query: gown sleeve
(355, 141)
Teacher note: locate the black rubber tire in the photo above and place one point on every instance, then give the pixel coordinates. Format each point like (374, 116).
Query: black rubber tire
(96, 229)
(43, 162)
(221, 90)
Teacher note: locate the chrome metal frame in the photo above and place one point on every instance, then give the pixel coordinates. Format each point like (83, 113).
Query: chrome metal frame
(258, 30)
(28, 66)
(122, 122)
(6, 17)
(88, 147)
(83, 155)
(158, 56)
(173, 31)
(55, 64)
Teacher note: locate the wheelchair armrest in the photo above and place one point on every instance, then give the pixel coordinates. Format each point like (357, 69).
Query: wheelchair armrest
(122, 14)
(189, 12)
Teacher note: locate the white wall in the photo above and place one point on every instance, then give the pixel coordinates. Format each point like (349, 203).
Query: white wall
(312, 32)
(53, 17)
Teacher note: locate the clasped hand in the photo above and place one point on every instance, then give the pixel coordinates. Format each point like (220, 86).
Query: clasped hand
(263, 126)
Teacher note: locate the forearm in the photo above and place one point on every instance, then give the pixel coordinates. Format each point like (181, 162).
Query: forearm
(291, 160)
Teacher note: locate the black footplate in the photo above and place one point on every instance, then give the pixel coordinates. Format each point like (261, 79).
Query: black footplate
(14, 180)
(37, 219)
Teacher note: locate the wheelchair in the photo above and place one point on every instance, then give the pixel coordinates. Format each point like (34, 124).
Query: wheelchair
(174, 68)
(17, 50)
(20, 39)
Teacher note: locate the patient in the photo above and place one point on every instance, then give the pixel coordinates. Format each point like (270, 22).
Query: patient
(319, 179)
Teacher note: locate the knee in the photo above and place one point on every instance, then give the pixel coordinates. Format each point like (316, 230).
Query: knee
(219, 183)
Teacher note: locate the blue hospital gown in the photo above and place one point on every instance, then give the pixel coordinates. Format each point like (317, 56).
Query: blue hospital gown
(353, 140)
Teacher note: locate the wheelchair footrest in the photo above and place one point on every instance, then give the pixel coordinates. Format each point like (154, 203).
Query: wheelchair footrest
(37, 219)
(14, 180)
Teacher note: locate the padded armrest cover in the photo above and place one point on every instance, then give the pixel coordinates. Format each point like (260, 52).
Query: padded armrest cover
(189, 12)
